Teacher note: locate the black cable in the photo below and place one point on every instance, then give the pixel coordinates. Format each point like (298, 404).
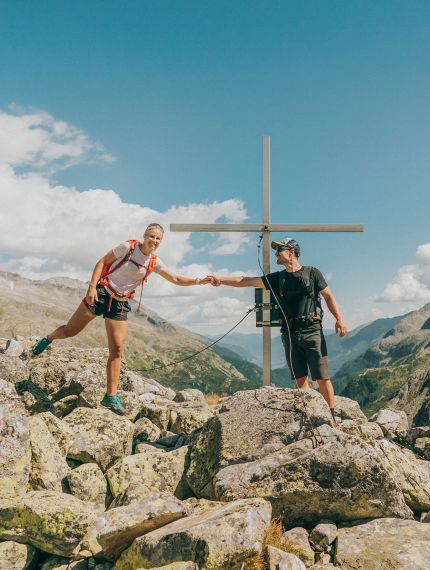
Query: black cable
(249, 311)
(313, 428)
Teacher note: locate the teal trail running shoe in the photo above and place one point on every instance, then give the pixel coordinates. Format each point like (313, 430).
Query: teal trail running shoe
(40, 345)
(114, 404)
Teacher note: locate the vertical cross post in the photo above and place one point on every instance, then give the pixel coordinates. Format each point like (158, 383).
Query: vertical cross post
(266, 261)
(265, 228)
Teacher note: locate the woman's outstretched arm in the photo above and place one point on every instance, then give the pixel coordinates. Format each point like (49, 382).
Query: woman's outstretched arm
(184, 281)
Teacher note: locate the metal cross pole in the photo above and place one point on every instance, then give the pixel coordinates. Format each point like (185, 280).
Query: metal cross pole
(265, 229)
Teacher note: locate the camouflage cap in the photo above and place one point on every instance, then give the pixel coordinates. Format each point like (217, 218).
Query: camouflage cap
(289, 243)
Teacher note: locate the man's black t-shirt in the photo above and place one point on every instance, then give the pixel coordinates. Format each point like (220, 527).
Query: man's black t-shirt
(295, 300)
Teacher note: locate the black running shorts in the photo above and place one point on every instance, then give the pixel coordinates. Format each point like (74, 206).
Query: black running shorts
(308, 353)
(117, 311)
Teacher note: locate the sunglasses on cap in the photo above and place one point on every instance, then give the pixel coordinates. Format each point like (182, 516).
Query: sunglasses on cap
(281, 248)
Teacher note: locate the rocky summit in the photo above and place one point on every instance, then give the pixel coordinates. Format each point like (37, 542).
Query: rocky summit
(262, 479)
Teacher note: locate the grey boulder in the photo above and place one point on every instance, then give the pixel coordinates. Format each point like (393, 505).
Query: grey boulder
(10, 399)
(15, 454)
(100, 436)
(153, 471)
(48, 464)
(281, 560)
(217, 539)
(187, 418)
(323, 535)
(392, 422)
(189, 395)
(423, 445)
(347, 409)
(307, 472)
(116, 529)
(412, 474)
(12, 368)
(384, 544)
(13, 348)
(368, 431)
(88, 483)
(16, 556)
(145, 430)
(51, 521)
(298, 540)
(62, 434)
(57, 370)
(253, 424)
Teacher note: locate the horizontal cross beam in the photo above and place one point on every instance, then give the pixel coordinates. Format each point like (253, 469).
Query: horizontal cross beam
(266, 228)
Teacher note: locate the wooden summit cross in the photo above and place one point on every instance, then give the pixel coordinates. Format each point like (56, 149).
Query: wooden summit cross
(265, 228)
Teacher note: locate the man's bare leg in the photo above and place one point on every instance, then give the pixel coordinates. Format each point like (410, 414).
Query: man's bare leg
(303, 382)
(327, 392)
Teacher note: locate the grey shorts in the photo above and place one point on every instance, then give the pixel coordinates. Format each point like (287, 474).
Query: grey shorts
(308, 353)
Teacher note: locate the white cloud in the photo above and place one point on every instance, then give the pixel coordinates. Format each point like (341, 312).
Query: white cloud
(215, 309)
(231, 243)
(50, 230)
(412, 282)
(39, 268)
(423, 254)
(34, 138)
(52, 222)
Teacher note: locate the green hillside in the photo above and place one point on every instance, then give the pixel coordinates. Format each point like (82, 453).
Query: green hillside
(394, 370)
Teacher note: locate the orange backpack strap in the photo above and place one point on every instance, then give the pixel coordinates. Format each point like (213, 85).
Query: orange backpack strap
(151, 264)
(150, 269)
(111, 267)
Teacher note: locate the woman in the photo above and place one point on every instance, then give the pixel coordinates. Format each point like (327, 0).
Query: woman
(113, 282)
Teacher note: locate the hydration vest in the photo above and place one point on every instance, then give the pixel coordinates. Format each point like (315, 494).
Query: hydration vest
(316, 315)
(111, 267)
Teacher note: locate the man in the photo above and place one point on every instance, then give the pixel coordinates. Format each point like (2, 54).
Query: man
(298, 289)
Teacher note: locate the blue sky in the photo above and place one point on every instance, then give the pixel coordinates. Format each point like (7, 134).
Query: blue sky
(181, 93)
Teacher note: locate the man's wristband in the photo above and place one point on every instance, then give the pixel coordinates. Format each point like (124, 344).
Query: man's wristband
(197, 280)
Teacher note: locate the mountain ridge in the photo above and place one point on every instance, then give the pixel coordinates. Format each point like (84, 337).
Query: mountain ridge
(394, 370)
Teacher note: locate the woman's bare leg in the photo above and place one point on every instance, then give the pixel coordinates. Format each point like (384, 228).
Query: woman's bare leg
(77, 322)
(116, 333)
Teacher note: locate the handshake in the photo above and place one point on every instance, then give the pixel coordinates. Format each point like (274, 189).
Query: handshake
(215, 281)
